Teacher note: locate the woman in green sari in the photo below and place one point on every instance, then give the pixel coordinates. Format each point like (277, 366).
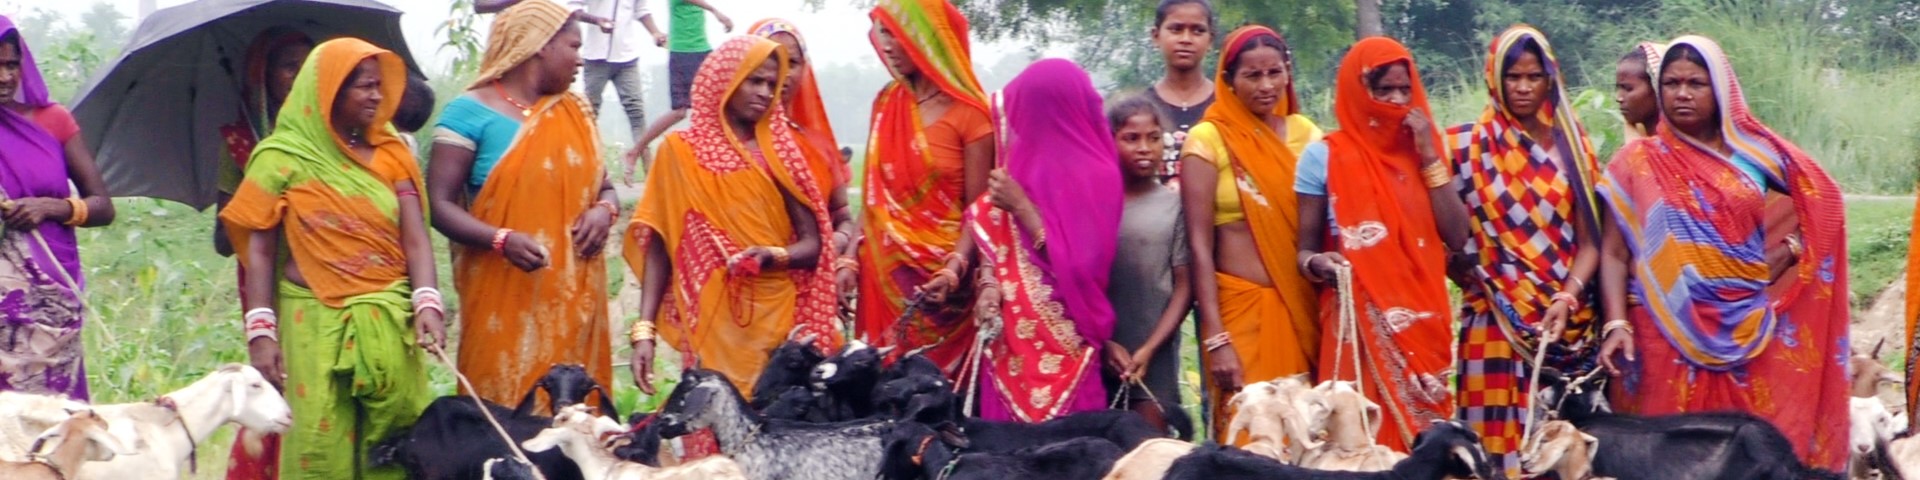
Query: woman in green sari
(337, 244)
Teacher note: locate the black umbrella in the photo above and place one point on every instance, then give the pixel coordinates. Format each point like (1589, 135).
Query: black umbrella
(153, 116)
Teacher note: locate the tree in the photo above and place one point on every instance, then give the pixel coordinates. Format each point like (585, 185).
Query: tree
(1368, 13)
(107, 25)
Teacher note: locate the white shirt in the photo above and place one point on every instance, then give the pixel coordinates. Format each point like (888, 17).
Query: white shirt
(621, 46)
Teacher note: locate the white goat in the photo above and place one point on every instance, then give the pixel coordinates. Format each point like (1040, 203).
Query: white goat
(1560, 448)
(1871, 424)
(582, 436)
(1150, 460)
(1279, 416)
(1352, 424)
(82, 437)
(166, 437)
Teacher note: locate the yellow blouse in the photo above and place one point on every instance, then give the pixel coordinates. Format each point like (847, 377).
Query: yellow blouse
(1204, 141)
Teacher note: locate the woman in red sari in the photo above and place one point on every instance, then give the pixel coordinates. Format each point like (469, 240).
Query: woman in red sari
(1376, 198)
(928, 153)
(1725, 272)
(1045, 254)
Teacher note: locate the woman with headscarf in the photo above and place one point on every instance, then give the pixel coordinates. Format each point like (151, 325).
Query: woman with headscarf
(1725, 275)
(728, 233)
(1633, 88)
(1533, 249)
(338, 244)
(1046, 253)
(920, 175)
(520, 192)
(1377, 200)
(272, 61)
(1255, 310)
(39, 255)
(1913, 316)
(809, 117)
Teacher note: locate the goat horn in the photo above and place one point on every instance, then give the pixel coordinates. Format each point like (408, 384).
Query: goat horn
(1876, 347)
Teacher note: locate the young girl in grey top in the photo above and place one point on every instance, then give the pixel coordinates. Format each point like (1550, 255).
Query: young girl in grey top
(1149, 280)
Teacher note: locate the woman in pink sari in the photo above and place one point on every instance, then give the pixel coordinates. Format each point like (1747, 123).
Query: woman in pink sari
(1045, 254)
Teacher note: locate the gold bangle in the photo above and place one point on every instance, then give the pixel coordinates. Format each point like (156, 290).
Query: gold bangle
(1436, 175)
(1040, 240)
(640, 331)
(1616, 324)
(1794, 246)
(780, 257)
(845, 263)
(79, 215)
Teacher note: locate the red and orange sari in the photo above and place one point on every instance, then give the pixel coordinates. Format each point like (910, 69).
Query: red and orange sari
(1712, 332)
(1913, 317)
(711, 196)
(914, 198)
(1385, 228)
(809, 113)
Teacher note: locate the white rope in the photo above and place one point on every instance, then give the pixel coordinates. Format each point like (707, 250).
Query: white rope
(989, 327)
(464, 383)
(1349, 330)
(1533, 386)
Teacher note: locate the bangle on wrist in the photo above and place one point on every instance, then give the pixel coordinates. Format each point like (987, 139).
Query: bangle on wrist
(612, 208)
(262, 322)
(79, 215)
(780, 257)
(845, 263)
(1436, 175)
(500, 239)
(1217, 341)
(640, 331)
(1616, 324)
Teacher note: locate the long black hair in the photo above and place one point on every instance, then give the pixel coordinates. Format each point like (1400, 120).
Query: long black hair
(1258, 41)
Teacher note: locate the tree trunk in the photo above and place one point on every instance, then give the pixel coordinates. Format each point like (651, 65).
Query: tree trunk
(1368, 14)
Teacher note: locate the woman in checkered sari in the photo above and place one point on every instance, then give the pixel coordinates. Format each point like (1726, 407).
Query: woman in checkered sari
(1526, 170)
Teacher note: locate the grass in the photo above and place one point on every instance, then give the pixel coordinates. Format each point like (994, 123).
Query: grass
(1878, 235)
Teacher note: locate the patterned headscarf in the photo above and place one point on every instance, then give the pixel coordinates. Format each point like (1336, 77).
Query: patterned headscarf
(519, 32)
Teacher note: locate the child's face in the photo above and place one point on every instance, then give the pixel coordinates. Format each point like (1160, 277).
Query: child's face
(1142, 146)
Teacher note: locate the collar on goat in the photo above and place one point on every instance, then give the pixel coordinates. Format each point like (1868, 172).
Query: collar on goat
(920, 455)
(35, 458)
(193, 446)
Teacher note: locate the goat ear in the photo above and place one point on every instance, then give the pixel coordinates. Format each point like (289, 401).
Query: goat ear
(607, 407)
(950, 434)
(238, 385)
(887, 350)
(1593, 446)
(546, 440)
(1373, 418)
(50, 434)
(1465, 457)
(110, 442)
(526, 401)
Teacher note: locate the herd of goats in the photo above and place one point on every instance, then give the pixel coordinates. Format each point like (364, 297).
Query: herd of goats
(848, 416)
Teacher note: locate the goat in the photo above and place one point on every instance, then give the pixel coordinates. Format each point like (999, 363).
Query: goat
(642, 442)
(1899, 458)
(937, 407)
(452, 439)
(1561, 449)
(167, 431)
(1724, 445)
(81, 437)
(1150, 460)
(1281, 417)
(507, 469)
(919, 396)
(1872, 426)
(705, 399)
(579, 434)
(565, 384)
(1867, 373)
(1351, 426)
(795, 404)
(789, 366)
(846, 381)
(1444, 450)
(917, 451)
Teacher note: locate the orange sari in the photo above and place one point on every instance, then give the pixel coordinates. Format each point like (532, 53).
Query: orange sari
(1913, 317)
(1385, 228)
(1273, 328)
(709, 198)
(912, 214)
(809, 113)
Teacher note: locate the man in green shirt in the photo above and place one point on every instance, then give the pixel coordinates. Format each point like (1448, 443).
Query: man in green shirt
(687, 46)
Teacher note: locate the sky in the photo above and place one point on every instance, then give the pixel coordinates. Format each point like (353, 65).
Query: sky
(837, 32)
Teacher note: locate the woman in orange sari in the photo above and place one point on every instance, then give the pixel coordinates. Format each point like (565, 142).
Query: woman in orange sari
(1725, 273)
(1913, 316)
(1376, 200)
(930, 150)
(728, 230)
(809, 117)
(522, 152)
(1255, 311)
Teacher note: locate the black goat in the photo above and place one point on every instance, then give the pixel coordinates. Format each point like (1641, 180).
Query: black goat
(846, 381)
(931, 403)
(797, 404)
(565, 384)
(790, 365)
(507, 469)
(452, 439)
(704, 399)
(642, 441)
(917, 451)
(1710, 445)
(1444, 450)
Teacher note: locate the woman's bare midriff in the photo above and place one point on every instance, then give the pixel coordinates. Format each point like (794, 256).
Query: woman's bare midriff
(293, 274)
(1236, 254)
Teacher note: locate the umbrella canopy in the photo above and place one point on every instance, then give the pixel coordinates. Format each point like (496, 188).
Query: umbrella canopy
(153, 116)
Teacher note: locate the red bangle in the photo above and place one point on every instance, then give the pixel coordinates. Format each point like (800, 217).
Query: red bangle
(500, 239)
(610, 206)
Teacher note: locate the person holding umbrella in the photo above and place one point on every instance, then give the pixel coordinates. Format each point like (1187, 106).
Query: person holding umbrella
(518, 187)
(41, 150)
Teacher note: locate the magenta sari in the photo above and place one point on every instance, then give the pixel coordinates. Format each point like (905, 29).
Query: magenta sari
(40, 282)
(1054, 312)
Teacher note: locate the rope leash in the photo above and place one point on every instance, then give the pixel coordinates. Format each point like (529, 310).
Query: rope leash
(1349, 322)
(512, 446)
(1533, 388)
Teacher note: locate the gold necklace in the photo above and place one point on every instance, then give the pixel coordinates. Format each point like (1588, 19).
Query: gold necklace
(526, 111)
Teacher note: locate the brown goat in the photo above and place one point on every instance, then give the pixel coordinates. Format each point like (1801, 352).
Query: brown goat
(80, 438)
(1869, 373)
(1560, 448)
